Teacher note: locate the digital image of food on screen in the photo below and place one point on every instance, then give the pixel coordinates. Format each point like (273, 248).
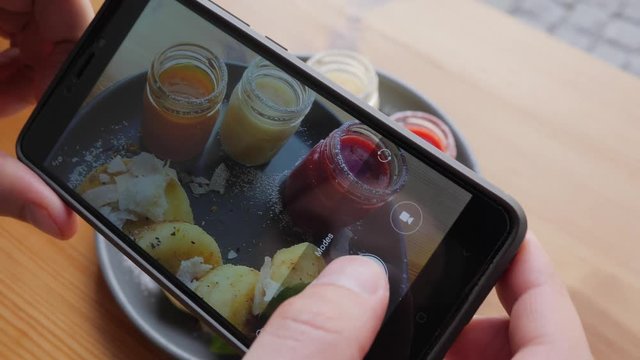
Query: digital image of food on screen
(237, 178)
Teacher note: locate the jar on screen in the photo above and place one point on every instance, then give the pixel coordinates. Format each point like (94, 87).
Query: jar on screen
(186, 85)
(430, 129)
(265, 110)
(351, 173)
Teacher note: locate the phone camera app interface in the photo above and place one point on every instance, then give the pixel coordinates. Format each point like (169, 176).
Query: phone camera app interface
(237, 178)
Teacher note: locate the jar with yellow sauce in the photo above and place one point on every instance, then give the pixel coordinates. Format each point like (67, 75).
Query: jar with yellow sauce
(186, 85)
(265, 110)
(351, 71)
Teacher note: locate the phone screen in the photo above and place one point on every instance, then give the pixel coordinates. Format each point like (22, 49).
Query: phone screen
(237, 178)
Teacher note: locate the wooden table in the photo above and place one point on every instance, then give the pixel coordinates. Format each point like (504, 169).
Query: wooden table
(551, 125)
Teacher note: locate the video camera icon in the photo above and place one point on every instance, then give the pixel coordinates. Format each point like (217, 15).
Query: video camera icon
(406, 217)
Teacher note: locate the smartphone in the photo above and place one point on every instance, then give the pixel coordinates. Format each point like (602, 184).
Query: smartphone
(232, 173)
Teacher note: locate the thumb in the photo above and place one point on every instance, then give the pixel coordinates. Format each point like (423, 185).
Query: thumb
(24, 196)
(336, 317)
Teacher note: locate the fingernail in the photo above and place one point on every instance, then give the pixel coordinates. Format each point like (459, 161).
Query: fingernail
(40, 218)
(359, 274)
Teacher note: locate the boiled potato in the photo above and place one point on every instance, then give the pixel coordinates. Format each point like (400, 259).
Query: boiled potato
(176, 303)
(173, 242)
(179, 208)
(229, 289)
(93, 181)
(296, 265)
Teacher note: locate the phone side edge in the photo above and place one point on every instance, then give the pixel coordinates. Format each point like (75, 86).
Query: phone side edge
(503, 259)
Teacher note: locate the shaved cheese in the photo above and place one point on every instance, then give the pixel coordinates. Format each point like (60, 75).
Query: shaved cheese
(143, 195)
(219, 178)
(138, 192)
(118, 218)
(198, 189)
(104, 178)
(102, 195)
(200, 180)
(146, 164)
(266, 289)
(171, 172)
(190, 271)
(116, 166)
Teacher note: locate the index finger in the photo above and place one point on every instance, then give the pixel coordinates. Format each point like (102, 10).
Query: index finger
(336, 317)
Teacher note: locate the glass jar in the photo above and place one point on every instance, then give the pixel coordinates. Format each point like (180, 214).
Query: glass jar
(350, 70)
(343, 178)
(185, 86)
(265, 110)
(429, 128)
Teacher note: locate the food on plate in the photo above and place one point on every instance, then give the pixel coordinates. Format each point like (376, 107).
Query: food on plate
(171, 243)
(176, 303)
(239, 293)
(220, 346)
(296, 264)
(289, 268)
(136, 192)
(200, 185)
(143, 196)
(282, 296)
(229, 289)
(190, 272)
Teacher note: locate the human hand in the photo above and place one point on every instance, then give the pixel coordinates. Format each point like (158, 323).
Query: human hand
(336, 317)
(327, 322)
(41, 34)
(542, 324)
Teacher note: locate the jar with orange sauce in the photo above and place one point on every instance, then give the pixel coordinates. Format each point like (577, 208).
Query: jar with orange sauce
(186, 85)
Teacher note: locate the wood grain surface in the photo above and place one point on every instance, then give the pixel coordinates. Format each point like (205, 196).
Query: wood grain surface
(554, 127)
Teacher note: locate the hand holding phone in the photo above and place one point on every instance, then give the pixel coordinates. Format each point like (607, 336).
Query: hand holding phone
(233, 175)
(530, 288)
(40, 41)
(542, 319)
(24, 196)
(336, 317)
